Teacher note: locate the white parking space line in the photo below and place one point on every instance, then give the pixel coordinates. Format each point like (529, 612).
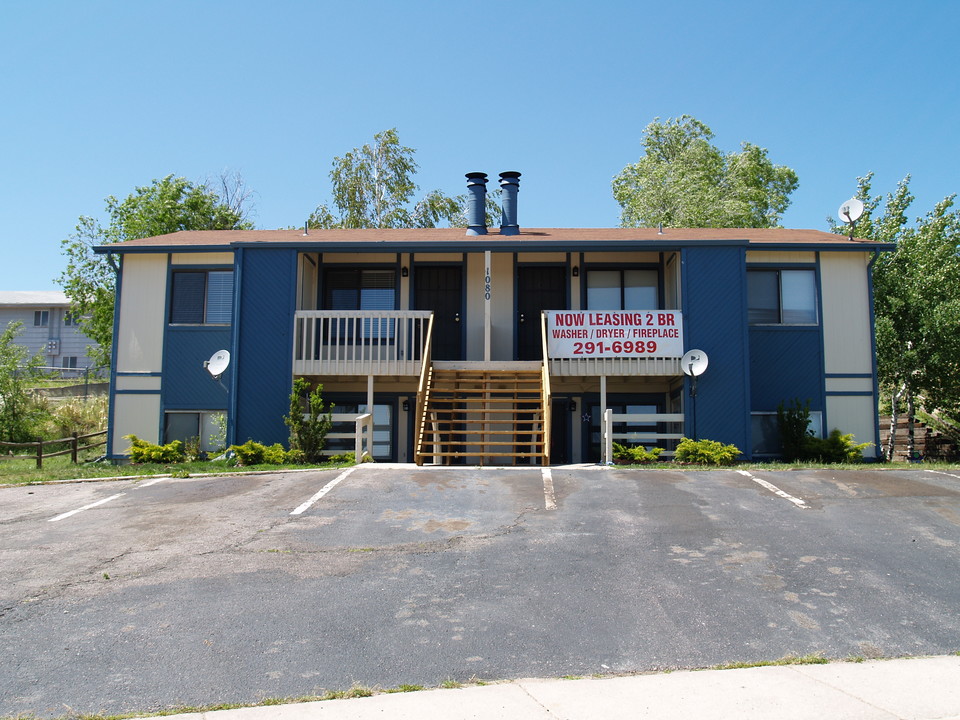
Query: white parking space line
(323, 491)
(153, 482)
(776, 491)
(550, 500)
(940, 472)
(86, 507)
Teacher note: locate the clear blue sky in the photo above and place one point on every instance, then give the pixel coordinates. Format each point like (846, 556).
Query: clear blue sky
(99, 97)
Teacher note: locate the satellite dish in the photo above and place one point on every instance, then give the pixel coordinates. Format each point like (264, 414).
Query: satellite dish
(218, 364)
(694, 362)
(851, 210)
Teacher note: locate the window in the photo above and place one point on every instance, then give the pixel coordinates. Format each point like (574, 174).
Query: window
(360, 289)
(623, 289)
(207, 425)
(69, 362)
(70, 320)
(765, 433)
(201, 297)
(41, 318)
(781, 297)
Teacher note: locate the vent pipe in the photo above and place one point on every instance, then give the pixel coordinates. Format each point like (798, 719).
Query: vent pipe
(477, 203)
(510, 185)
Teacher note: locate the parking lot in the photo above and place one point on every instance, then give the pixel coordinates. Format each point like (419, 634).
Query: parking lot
(138, 595)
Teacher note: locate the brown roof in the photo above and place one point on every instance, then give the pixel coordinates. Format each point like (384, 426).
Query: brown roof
(457, 238)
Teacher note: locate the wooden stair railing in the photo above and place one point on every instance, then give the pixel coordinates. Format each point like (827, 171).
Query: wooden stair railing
(482, 413)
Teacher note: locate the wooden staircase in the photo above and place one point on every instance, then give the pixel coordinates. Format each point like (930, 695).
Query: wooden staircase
(490, 413)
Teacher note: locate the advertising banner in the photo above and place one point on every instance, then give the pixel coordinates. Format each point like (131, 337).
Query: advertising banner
(614, 333)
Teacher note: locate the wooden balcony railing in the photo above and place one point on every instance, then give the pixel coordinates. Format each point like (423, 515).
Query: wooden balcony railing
(360, 342)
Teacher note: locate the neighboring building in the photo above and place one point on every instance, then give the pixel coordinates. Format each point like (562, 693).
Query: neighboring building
(48, 328)
(439, 332)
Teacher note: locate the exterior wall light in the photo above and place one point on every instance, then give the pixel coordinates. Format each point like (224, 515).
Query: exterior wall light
(575, 272)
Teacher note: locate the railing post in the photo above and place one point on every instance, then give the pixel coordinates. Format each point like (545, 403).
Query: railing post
(39, 454)
(74, 446)
(606, 437)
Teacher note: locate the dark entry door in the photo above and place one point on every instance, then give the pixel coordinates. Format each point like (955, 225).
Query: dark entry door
(539, 288)
(561, 427)
(440, 288)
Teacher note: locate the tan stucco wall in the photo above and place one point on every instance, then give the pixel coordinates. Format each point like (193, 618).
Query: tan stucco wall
(846, 313)
(201, 259)
(139, 342)
(135, 415)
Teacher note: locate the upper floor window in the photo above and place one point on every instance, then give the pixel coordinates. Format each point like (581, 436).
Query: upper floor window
(782, 297)
(360, 289)
(41, 318)
(201, 297)
(623, 289)
(70, 320)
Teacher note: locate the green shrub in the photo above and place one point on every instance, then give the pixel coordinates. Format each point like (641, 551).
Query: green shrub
(308, 431)
(635, 454)
(794, 425)
(706, 452)
(192, 450)
(296, 457)
(835, 448)
(349, 458)
(801, 445)
(254, 453)
(142, 451)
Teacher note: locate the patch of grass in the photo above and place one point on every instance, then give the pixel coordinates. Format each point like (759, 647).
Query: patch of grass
(810, 659)
(450, 684)
(404, 689)
(23, 470)
(362, 549)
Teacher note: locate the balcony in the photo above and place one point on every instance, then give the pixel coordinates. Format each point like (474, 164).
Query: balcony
(360, 342)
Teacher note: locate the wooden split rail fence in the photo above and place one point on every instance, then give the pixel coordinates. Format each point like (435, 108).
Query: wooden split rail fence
(74, 441)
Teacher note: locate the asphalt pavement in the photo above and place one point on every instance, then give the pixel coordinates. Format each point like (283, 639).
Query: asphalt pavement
(147, 595)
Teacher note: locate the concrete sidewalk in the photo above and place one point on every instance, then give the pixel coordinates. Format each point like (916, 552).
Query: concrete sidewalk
(915, 689)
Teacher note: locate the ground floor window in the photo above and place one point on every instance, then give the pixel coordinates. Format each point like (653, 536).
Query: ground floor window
(765, 433)
(383, 429)
(69, 362)
(187, 426)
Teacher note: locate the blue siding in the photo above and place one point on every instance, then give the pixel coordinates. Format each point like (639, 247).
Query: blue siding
(186, 383)
(264, 307)
(715, 320)
(785, 363)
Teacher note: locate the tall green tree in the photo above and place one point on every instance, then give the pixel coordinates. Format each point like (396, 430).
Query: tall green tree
(683, 180)
(916, 302)
(19, 414)
(374, 187)
(165, 206)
